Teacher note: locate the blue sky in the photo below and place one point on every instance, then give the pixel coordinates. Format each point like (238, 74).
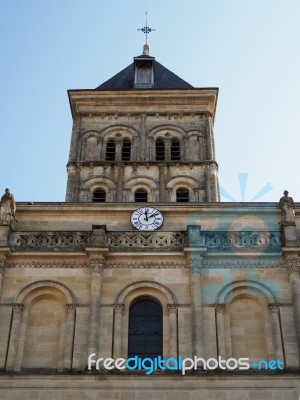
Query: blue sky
(248, 48)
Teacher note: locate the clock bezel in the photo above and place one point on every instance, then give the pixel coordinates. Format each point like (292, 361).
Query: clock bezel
(148, 229)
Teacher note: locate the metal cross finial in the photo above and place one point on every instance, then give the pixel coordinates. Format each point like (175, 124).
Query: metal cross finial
(146, 29)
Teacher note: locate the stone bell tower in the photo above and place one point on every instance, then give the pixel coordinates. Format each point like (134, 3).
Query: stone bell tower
(145, 135)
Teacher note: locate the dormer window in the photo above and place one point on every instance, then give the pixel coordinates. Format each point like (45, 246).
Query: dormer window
(143, 72)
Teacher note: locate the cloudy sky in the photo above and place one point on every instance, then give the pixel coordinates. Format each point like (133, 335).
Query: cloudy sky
(248, 48)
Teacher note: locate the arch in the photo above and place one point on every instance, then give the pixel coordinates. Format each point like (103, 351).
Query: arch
(161, 130)
(169, 294)
(99, 181)
(44, 283)
(91, 133)
(182, 179)
(257, 289)
(196, 133)
(142, 179)
(122, 131)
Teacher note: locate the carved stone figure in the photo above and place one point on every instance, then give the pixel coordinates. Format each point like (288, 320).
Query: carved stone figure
(287, 206)
(8, 207)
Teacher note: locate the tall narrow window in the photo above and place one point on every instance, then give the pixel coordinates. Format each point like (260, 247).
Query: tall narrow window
(160, 150)
(126, 148)
(145, 335)
(99, 196)
(110, 150)
(175, 150)
(141, 196)
(182, 195)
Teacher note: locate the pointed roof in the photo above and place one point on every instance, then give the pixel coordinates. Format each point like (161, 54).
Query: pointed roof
(163, 78)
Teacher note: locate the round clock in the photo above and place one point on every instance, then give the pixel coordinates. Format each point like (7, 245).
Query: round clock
(147, 219)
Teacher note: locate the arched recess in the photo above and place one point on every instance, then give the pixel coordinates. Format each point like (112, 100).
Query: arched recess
(144, 182)
(120, 133)
(151, 290)
(169, 129)
(196, 143)
(166, 133)
(182, 181)
(98, 182)
(247, 322)
(45, 339)
(91, 146)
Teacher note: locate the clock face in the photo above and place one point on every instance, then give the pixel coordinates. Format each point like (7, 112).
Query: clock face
(147, 219)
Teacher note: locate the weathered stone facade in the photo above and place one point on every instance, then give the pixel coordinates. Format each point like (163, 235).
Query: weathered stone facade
(225, 275)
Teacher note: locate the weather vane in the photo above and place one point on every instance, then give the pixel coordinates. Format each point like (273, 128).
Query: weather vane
(146, 29)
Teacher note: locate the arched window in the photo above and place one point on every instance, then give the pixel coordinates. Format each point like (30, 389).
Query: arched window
(126, 148)
(182, 195)
(141, 196)
(175, 150)
(110, 150)
(160, 150)
(145, 334)
(99, 196)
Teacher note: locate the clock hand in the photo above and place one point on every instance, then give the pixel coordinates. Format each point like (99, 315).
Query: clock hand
(153, 215)
(146, 215)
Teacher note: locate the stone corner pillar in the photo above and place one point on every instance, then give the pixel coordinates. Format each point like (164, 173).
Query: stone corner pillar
(173, 349)
(97, 264)
(276, 331)
(70, 333)
(220, 321)
(118, 318)
(14, 336)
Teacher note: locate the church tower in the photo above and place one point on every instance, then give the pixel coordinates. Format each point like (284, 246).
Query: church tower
(145, 135)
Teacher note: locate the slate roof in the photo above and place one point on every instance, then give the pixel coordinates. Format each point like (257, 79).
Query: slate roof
(163, 79)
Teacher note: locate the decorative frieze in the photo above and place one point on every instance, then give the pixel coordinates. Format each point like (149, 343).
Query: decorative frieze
(292, 265)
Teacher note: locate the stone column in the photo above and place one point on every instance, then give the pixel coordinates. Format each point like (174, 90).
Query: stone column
(143, 152)
(151, 145)
(169, 194)
(120, 183)
(14, 336)
(118, 312)
(293, 268)
(69, 340)
(83, 145)
(99, 149)
(119, 144)
(71, 185)
(276, 331)
(162, 181)
(167, 143)
(172, 309)
(95, 299)
(210, 139)
(197, 321)
(73, 156)
(220, 321)
(207, 182)
(2, 271)
(215, 195)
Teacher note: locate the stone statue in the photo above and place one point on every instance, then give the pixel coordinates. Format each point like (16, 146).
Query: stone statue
(8, 207)
(287, 206)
